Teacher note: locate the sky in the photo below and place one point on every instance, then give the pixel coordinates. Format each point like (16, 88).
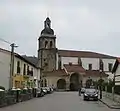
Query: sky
(86, 25)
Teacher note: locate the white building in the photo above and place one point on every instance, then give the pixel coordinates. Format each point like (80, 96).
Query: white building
(88, 60)
(24, 70)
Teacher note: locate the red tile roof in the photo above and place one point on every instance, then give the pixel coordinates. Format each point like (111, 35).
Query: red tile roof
(60, 72)
(87, 54)
(74, 68)
(95, 73)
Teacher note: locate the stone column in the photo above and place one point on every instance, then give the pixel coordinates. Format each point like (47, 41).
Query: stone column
(67, 83)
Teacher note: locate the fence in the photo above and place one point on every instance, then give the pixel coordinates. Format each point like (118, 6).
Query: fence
(12, 97)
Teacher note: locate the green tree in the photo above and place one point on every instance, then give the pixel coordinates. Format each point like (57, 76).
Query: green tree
(89, 83)
(100, 82)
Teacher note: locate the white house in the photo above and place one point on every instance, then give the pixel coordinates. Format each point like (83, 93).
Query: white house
(24, 70)
(116, 71)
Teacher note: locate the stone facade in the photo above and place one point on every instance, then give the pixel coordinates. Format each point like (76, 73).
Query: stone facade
(52, 62)
(47, 49)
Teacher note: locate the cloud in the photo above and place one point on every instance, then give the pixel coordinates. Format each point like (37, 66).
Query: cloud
(83, 25)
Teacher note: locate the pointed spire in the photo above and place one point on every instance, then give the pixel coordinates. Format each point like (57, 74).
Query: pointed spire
(47, 27)
(47, 23)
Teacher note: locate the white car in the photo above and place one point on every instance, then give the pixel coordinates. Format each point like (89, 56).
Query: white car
(44, 90)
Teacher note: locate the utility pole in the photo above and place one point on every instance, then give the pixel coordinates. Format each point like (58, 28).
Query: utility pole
(12, 65)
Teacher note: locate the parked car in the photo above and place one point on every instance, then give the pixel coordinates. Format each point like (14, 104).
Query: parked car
(40, 92)
(48, 90)
(44, 90)
(51, 90)
(90, 94)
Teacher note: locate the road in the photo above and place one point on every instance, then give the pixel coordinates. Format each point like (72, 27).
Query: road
(59, 101)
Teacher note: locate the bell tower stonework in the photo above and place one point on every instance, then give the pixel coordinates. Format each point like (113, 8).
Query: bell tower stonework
(47, 48)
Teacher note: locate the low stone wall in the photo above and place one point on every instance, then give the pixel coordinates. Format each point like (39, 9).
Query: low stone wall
(110, 96)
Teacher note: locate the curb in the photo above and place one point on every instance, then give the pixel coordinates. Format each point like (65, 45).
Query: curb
(111, 107)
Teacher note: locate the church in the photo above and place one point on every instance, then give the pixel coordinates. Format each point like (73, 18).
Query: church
(69, 69)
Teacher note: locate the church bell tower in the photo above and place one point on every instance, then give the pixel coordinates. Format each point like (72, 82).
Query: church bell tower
(47, 48)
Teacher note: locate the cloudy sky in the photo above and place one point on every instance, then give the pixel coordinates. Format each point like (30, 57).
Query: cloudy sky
(92, 25)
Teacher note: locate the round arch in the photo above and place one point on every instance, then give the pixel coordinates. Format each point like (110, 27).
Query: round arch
(75, 81)
(61, 84)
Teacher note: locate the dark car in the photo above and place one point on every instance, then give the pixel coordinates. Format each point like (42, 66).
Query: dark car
(90, 94)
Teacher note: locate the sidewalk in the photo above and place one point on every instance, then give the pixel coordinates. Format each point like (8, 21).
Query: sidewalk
(110, 103)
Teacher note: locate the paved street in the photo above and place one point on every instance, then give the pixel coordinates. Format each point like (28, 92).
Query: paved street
(59, 101)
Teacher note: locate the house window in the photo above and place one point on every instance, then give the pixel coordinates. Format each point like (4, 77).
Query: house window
(31, 71)
(90, 66)
(24, 69)
(102, 66)
(27, 70)
(18, 67)
(110, 67)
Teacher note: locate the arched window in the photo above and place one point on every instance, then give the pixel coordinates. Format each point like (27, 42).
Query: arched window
(46, 42)
(51, 44)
